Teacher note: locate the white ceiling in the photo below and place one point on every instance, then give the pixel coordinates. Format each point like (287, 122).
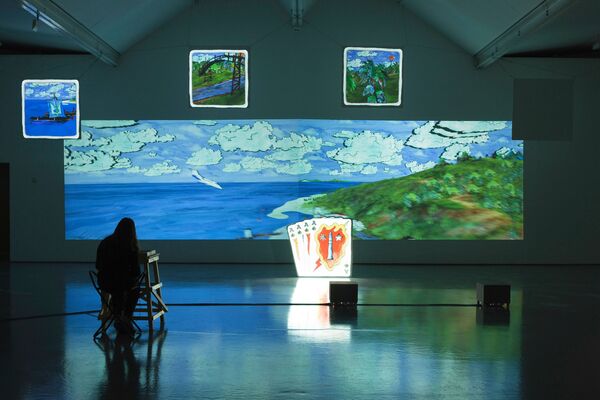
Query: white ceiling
(471, 24)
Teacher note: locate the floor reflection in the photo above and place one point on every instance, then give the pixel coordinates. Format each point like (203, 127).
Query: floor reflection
(314, 322)
(112, 366)
(310, 351)
(122, 369)
(224, 352)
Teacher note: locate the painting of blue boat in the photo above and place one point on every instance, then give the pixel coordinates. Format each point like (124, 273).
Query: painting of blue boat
(218, 78)
(50, 109)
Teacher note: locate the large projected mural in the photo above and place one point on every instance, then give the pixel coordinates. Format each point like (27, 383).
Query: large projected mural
(250, 179)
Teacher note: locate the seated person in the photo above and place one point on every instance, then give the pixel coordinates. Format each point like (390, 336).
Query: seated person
(119, 272)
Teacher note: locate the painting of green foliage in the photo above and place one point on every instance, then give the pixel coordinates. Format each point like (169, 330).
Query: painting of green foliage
(218, 78)
(372, 76)
(474, 198)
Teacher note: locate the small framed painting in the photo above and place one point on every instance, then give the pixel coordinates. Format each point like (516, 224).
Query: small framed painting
(219, 78)
(372, 76)
(50, 109)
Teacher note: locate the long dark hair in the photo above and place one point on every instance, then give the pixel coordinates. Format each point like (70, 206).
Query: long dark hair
(126, 235)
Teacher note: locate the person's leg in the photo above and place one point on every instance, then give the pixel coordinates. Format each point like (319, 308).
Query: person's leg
(119, 307)
(117, 301)
(131, 301)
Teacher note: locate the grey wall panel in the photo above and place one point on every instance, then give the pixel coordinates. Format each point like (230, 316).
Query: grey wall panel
(4, 211)
(543, 109)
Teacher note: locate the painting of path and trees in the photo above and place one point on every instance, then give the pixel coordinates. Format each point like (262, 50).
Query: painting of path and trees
(218, 78)
(372, 76)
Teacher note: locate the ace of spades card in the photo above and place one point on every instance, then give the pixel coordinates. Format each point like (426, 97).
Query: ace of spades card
(322, 246)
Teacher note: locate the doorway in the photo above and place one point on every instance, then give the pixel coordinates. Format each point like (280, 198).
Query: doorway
(4, 212)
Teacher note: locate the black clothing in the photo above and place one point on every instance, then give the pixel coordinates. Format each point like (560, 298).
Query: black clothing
(118, 274)
(118, 267)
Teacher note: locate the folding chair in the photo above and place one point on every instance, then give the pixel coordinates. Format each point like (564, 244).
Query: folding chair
(106, 314)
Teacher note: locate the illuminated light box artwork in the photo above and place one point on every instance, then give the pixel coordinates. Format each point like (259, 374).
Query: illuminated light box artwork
(322, 246)
(50, 109)
(219, 78)
(372, 76)
(251, 179)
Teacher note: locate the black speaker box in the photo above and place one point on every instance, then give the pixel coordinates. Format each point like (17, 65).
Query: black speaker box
(497, 295)
(343, 293)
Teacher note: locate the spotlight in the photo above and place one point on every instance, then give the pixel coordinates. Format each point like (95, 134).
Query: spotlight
(35, 22)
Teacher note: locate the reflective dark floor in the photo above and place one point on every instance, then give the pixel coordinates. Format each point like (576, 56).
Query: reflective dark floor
(428, 342)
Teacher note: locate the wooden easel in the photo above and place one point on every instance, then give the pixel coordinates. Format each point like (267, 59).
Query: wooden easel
(151, 302)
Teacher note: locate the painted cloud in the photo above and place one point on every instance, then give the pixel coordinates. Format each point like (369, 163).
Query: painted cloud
(453, 136)
(205, 156)
(278, 150)
(258, 137)
(108, 124)
(163, 168)
(108, 153)
(369, 147)
(414, 166)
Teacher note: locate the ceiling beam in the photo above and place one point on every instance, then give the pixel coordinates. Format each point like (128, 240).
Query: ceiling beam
(538, 16)
(60, 20)
(297, 10)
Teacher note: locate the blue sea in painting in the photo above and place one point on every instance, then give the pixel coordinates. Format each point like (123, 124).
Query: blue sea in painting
(215, 90)
(39, 108)
(173, 211)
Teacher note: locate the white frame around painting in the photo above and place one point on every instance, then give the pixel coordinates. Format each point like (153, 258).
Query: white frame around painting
(374, 49)
(246, 80)
(26, 82)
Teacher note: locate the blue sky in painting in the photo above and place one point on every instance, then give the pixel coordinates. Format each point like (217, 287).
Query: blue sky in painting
(204, 55)
(274, 150)
(48, 90)
(356, 57)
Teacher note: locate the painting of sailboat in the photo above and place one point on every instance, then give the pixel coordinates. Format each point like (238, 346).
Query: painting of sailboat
(50, 109)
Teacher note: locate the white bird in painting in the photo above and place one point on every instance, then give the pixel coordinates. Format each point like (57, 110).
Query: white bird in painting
(206, 181)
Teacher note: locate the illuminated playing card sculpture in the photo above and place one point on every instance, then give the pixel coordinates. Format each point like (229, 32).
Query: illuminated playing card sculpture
(322, 246)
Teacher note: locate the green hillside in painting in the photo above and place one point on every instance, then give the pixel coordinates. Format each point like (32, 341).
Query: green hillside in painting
(472, 199)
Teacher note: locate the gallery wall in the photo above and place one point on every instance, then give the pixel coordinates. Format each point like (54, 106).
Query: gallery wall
(298, 74)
